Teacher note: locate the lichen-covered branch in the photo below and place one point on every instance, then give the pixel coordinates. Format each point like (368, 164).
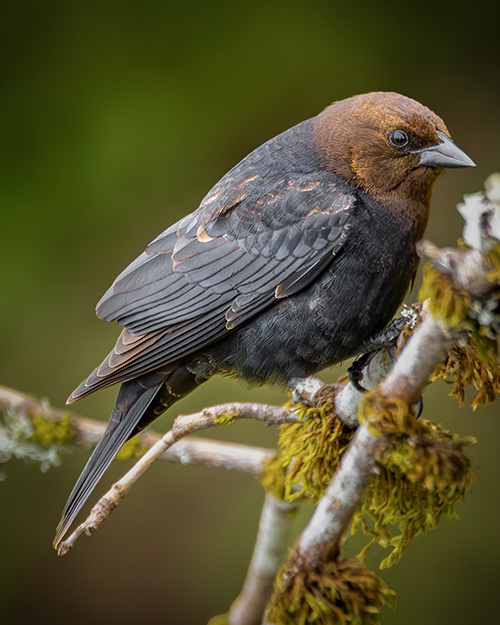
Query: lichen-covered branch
(358, 466)
(405, 382)
(47, 430)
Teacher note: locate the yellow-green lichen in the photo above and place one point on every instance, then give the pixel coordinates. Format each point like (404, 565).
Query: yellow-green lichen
(386, 415)
(423, 477)
(328, 593)
(475, 364)
(309, 453)
(446, 300)
(131, 449)
(493, 257)
(47, 431)
(226, 418)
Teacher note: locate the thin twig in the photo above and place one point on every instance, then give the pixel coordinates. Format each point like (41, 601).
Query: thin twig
(216, 454)
(183, 426)
(468, 267)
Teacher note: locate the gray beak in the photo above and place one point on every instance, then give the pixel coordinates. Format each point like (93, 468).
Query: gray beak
(444, 154)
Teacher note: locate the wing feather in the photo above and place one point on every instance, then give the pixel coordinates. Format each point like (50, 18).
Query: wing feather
(237, 255)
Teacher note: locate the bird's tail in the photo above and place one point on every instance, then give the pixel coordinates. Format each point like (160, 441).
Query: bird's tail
(139, 402)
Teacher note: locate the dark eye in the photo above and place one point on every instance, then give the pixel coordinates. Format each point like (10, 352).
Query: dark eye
(398, 138)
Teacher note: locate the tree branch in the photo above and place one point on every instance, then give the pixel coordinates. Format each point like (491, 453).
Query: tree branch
(270, 548)
(183, 426)
(406, 379)
(192, 451)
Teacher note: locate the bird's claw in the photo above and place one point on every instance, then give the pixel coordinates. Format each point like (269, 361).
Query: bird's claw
(355, 372)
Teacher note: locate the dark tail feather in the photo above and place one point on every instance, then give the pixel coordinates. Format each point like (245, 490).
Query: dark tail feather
(133, 400)
(139, 402)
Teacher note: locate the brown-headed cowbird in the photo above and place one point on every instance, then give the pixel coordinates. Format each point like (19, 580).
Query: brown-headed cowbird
(297, 256)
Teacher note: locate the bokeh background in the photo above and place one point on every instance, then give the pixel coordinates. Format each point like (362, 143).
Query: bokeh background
(116, 117)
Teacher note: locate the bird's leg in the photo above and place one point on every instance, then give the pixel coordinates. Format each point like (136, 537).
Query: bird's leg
(384, 339)
(387, 337)
(391, 334)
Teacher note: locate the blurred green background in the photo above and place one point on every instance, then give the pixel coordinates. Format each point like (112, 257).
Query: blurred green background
(115, 119)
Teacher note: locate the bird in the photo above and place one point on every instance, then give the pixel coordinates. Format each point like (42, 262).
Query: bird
(299, 255)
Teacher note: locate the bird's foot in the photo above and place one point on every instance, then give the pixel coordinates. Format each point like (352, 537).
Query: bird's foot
(355, 371)
(385, 339)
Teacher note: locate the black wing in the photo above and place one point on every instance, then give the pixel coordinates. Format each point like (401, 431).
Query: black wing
(253, 240)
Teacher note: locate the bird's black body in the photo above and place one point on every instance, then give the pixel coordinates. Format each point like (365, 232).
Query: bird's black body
(285, 268)
(328, 320)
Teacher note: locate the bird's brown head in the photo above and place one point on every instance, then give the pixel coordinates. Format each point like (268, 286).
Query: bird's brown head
(387, 145)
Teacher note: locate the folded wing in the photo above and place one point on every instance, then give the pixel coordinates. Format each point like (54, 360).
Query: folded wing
(243, 250)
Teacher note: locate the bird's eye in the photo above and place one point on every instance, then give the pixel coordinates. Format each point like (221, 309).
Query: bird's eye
(398, 138)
